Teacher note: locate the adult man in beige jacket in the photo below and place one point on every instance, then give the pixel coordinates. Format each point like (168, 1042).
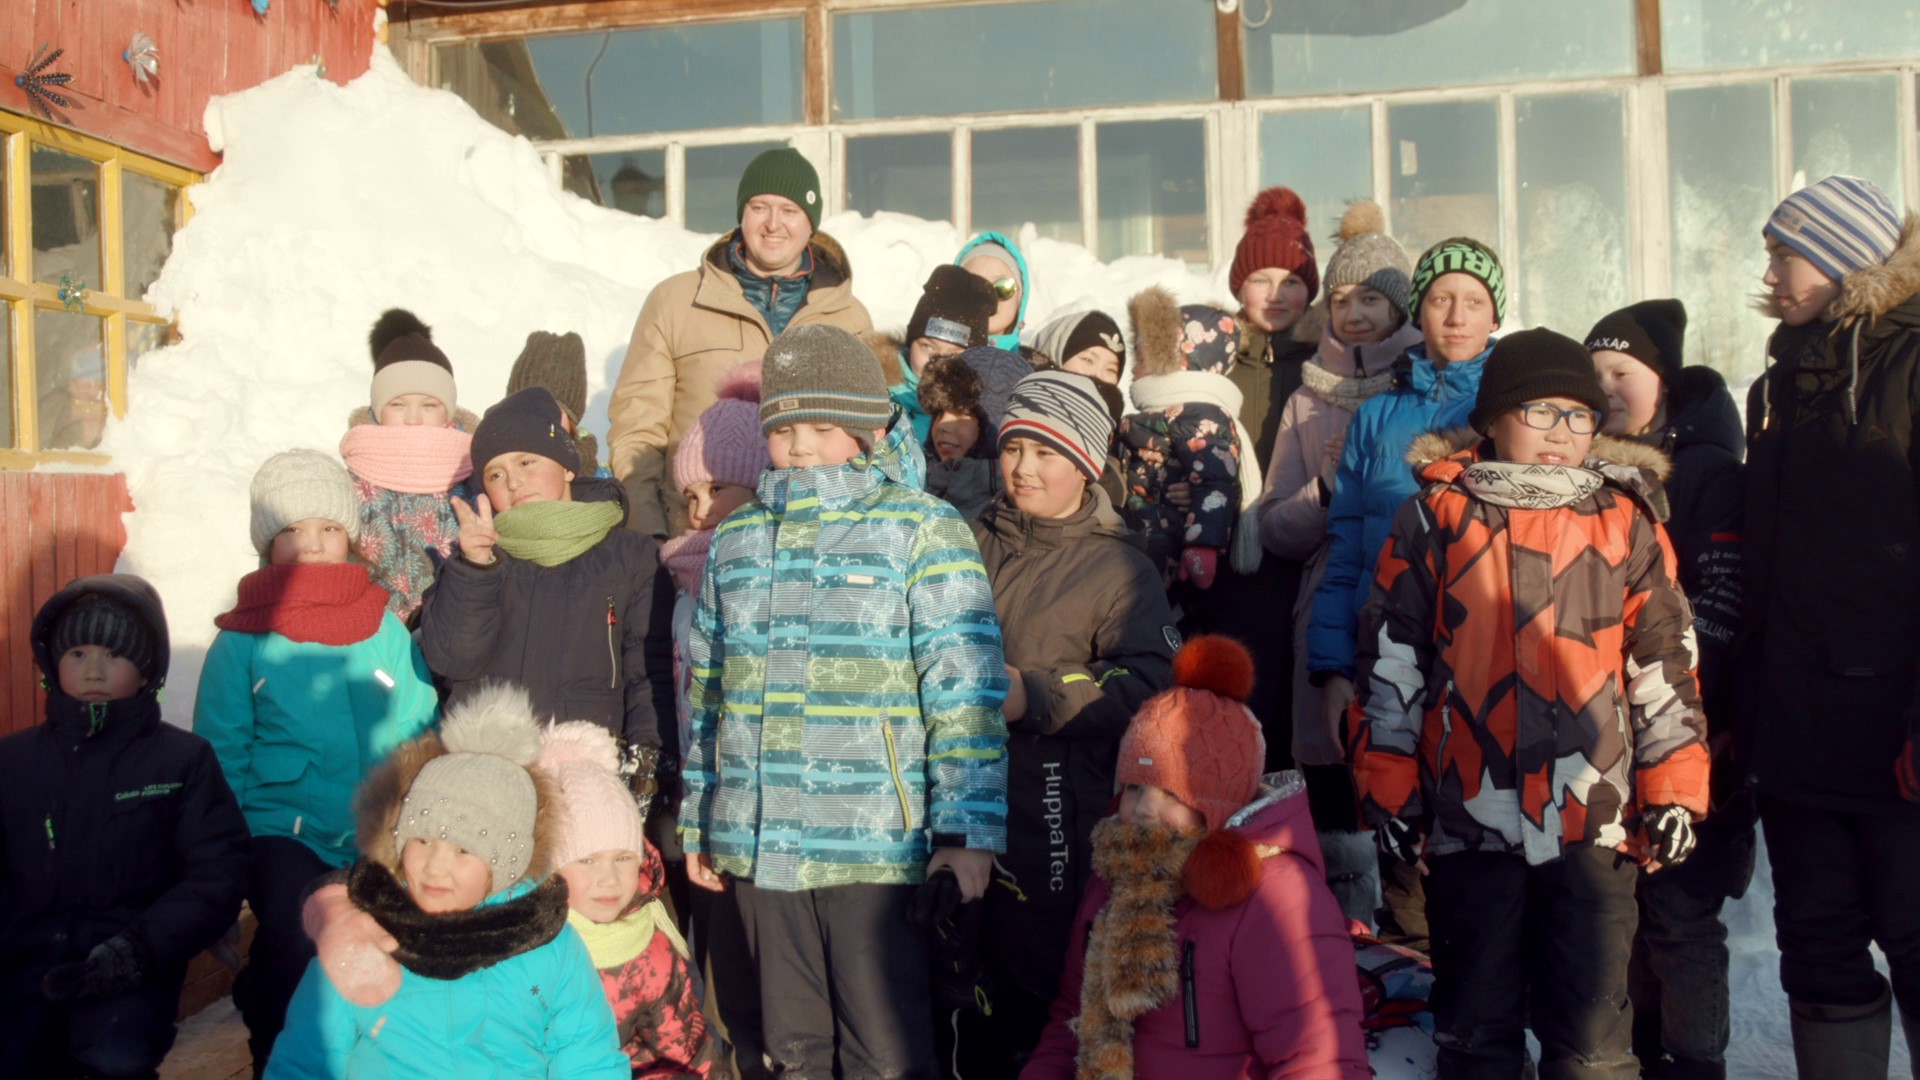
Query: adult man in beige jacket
(774, 271)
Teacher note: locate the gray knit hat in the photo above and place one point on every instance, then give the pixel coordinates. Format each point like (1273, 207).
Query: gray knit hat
(816, 374)
(557, 362)
(1368, 256)
(98, 619)
(1065, 411)
(480, 794)
(297, 485)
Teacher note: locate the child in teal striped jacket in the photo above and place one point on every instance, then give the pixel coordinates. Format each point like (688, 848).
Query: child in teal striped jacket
(847, 735)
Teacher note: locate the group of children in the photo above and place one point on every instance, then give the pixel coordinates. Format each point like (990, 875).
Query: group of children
(910, 714)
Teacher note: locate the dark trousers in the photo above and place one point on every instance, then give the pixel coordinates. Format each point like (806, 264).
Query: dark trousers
(845, 989)
(124, 1037)
(1255, 609)
(733, 977)
(999, 1045)
(1551, 942)
(1678, 976)
(1842, 881)
(278, 873)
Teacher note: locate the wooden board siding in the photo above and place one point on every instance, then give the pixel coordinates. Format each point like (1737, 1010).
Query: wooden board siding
(207, 48)
(54, 527)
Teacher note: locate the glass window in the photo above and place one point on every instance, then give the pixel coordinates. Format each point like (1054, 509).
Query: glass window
(1571, 156)
(1446, 173)
(150, 212)
(70, 360)
(907, 174)
(1720, 156)
(630, 180)
(1043, 54)
(7, 438)
(1028, 174)
(1153, 190)
(713, 184)
(632, 82)
(1340, 46)
(1326, 156)
(1698, 35)
(1849, 124)
(66, 217)
(145, 337)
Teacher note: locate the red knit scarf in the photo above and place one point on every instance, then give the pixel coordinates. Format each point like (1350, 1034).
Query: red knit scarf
(325, 604)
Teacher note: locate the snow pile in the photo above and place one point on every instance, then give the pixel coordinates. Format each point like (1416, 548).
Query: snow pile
(334, 203)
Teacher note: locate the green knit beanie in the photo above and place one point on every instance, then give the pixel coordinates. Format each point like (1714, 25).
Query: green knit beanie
(785, 172)
(1459, 255)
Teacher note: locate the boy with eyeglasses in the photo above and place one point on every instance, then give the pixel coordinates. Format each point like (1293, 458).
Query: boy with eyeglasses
(1528, 730)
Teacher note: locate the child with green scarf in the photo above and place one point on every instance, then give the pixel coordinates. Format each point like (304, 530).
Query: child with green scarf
(549, 590)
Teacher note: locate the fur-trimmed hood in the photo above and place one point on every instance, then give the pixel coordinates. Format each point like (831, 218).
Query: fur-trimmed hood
(1165, 343)
(890, 352)
(1632, 467)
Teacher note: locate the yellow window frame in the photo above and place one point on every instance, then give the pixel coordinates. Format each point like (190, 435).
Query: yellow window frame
(21, 295)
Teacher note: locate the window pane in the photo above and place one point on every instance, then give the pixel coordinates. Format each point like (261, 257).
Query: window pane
(1153, 190)
(1445, 173)
(1571, 157)
(1714, 34)
(150, 211)
(1334, 46)
(6, 377)
(1327, 157)
(1044, 54)
(66, 217)
(713, 182)
(631, 82)
(1847, 125)
(143, 338)
(1720, 152)
(1028, 174)
(631, 180)
(69, 359)
(907, 174)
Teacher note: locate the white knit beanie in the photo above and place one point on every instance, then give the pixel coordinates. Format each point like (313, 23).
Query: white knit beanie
(297, 485)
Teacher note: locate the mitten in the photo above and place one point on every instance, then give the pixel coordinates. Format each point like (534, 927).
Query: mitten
(354, 950)
(1670, 835)
(1906, 769)
(1400, 840)
(1197, 564)
(115, 966)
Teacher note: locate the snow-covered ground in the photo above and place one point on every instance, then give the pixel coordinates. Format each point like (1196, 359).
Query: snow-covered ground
(334, 203)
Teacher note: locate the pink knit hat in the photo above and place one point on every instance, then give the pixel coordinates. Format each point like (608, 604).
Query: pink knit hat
(725, 445)
(599, 813)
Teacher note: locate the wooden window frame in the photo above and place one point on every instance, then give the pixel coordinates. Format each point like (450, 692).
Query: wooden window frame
(21, 295)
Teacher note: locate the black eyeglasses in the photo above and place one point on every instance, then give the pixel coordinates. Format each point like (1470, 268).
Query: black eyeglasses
(1543, 417)
(1005, 287)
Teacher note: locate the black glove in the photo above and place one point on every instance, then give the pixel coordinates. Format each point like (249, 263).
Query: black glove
(115, 966)
(935, 901)
(1400, 840)
(1670, 834)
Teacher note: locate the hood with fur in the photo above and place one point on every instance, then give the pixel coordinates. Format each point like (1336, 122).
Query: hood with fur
(1166, 340)
(1632, 467)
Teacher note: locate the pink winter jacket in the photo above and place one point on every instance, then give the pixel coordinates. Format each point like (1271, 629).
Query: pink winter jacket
(1272, 980)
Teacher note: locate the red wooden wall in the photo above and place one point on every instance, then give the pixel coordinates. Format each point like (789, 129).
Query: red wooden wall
(54, 527)
(207, 47)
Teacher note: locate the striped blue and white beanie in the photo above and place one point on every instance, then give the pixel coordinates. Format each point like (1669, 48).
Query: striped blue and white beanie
(1841, 224)
(1065, 411)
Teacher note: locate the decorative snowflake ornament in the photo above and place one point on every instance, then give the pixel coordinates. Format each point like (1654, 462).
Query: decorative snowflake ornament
(37, 83)
(73, 292)
(143, 56)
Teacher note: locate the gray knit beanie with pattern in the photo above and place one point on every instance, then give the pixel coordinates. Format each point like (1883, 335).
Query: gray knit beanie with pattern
(1368, 256)
(816, 374)
(297, 485)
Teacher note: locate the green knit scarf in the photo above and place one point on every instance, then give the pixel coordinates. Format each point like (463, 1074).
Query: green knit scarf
(550, 533)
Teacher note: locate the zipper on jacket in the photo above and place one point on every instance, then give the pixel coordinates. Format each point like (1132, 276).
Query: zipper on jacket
(49, 826)
(613, 658)
(893, 766)
(1188, 999)
(1446, 727)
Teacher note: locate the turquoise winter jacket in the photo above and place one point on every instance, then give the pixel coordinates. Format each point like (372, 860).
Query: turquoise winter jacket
(1010, 341)
(847, 677)
(298, 725)
(1373, 480)
(542, 1013)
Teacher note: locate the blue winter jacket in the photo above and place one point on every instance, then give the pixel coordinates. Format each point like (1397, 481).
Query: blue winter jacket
(1374, 479)
(542, 1013)
(906, 394)
(847, 677)
(1010, 341)
(297, 725)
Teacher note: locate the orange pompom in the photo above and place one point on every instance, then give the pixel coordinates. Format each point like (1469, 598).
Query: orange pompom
(1277, 202)
(1217, 663)
(1222, 871)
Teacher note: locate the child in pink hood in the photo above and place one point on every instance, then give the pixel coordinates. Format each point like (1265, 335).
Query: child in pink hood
(1213, 948)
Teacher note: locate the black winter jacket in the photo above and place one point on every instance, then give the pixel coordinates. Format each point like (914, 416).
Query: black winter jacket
(575, 635)
(112, 821)
(1084, 618)
(1832, 545)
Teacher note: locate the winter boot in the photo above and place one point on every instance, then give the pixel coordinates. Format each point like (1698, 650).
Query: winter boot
(1843, 1042)
(1353, 872)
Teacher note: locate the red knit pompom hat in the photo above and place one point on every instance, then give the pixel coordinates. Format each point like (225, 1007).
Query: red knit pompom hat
(1198, 740)
(1276, 236)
